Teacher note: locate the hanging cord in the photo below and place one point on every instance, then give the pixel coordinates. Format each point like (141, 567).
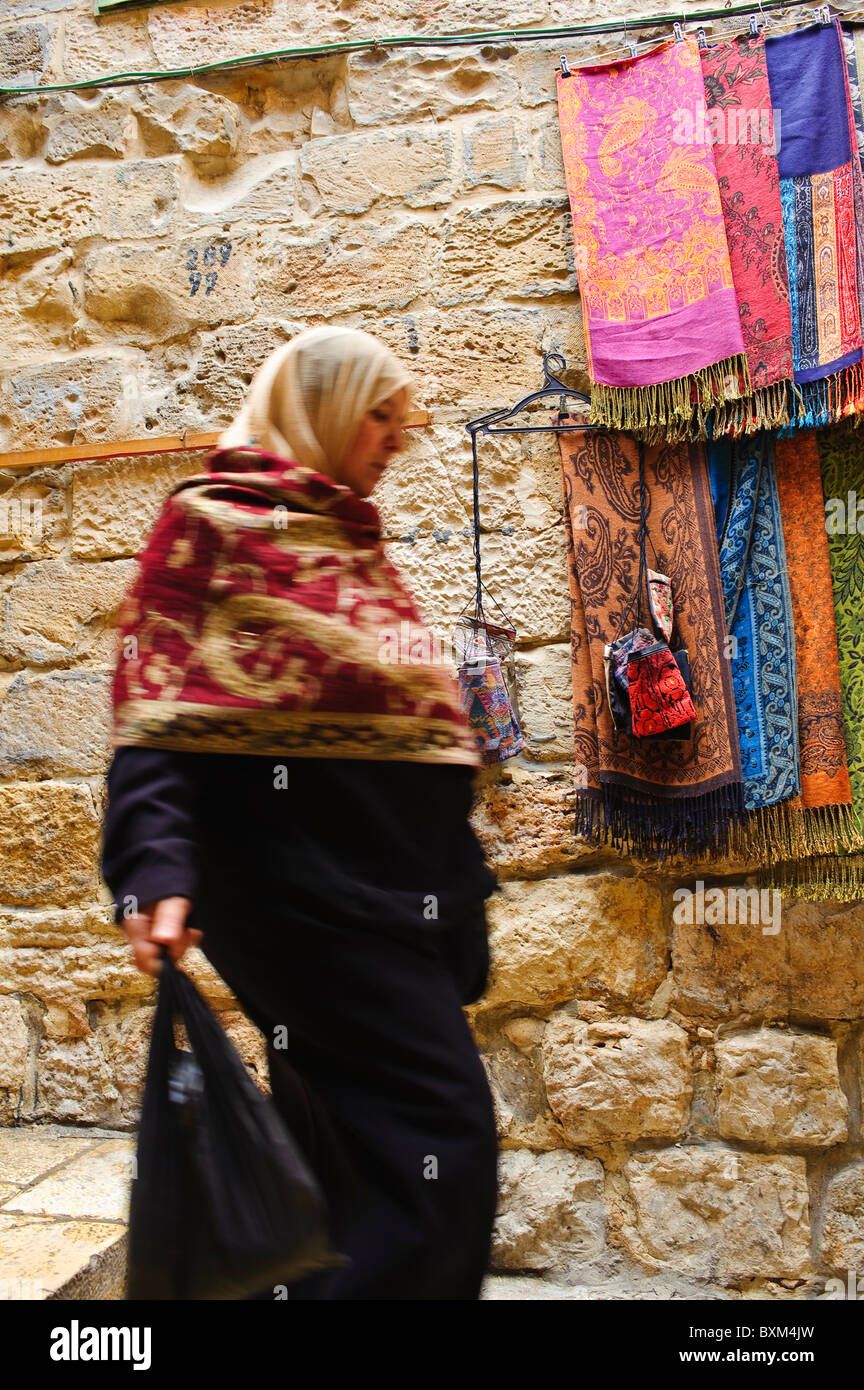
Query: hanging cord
(636, 596)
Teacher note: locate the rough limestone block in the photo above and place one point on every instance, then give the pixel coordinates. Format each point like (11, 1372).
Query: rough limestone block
(70, 1259)
(151, 295)
(493, 154)
(433, 84)
(27, 1153)
(141, 198)
(575, 937)
(622, 1079)
(34, 515)
(523, 1119)
(65, 402)
(351, 173)
(178, 118)
(49, 929)
(777, 1087)
(75, 1085)
(544, 677)
(50, 837)
(14, 1046)
(711, 1213)
(94, 127)
(55, 725)
(523, 573)
(843, 1229)
(517, 249)
(324, 274)
(53, 610)
(261, 189)
(550, 1212)
(25, 51)
(103, 969)
(107, 43)
(114, 504)
(526, 824)
(814, 965)
(93, 1186)
(47, 209)
(22, 129)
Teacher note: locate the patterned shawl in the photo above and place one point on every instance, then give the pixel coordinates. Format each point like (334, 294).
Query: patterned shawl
(266, 618)
(643, 795)
(662, 328)
(740, 123)
(809, 86)
(758, 615)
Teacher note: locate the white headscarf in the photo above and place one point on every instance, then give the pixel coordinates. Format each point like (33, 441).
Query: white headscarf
(307, 399)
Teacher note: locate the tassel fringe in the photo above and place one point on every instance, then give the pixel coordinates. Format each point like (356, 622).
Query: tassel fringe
(671, 410)
(658, 828)
(786, 831)
(817, 879)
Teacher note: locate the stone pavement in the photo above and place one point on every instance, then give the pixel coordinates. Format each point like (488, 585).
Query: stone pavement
(64, 1196)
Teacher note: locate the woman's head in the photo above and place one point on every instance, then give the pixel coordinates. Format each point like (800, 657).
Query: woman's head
(333, 399)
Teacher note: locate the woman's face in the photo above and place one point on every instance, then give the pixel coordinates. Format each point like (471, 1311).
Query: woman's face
(377, 440)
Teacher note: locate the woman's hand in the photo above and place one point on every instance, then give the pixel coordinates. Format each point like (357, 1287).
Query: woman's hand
(158, 924)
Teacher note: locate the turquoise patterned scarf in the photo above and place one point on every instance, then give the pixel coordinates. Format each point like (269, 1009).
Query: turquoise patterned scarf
(758, 605)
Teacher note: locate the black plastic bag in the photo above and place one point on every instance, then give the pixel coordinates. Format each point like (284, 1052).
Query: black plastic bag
(223, 1203)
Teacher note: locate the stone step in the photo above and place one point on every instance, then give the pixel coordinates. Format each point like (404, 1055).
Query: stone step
(64, 1198)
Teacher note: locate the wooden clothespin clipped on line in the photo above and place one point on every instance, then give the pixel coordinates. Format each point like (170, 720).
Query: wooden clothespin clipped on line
(155, 444)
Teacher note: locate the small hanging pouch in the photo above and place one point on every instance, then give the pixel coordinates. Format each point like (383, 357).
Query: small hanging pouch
(648, 685)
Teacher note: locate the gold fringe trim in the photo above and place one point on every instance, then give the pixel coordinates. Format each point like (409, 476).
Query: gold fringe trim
(817, 879)
(667, 411)
(767, 409)
(786, 831)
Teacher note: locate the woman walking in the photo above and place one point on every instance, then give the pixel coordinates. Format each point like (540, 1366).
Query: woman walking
(295, 797)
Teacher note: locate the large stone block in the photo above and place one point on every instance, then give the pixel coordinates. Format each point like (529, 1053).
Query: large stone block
(75, 1084)
(812, 968)
(711, 1213)
(433, 84)
(14, 1044)
(65, 402)
(22, 128)
(351, 173)
(575, 937)
(140, 199)
(51, 929)
(550, 1213)
(622, 1079)
(55, 725)
(177, 118)
(326, 274)
(52, 610)
(493, 154)
(526, 823)
(103, 969)
(545, 679)
(843, 1219)
(778, 1087)
(522, 1115)
(115, 503)
(215, 385)
(516, 250)
(25, 51)
(107, 43)
(95, 127)
(34, 514)
(260, 190)
(45, 210)
(50, 834)
(152, 295)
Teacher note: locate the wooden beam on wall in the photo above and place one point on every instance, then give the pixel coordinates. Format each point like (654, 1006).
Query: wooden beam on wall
(132, 448)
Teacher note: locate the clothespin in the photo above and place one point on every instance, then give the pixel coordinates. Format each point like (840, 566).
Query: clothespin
(700, 37)
(631, 47)
(678, 32)
(824, 14)
(754, 27)
(565, 70)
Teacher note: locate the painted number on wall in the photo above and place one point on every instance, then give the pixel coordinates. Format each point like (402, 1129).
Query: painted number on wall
(215, 253)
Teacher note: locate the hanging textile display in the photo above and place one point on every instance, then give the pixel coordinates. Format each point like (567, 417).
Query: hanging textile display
(761, 647)
(740, 124)
(663, 335)
(648, 796)
(807, 78)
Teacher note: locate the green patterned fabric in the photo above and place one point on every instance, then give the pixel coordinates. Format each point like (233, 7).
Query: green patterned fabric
(841, 458)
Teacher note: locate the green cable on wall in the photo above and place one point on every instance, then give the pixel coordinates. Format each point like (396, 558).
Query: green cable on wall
(325, 50)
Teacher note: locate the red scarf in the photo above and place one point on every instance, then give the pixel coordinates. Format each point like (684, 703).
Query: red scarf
(267, 618)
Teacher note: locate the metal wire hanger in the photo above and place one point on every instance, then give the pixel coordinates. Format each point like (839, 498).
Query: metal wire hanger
(493, 423)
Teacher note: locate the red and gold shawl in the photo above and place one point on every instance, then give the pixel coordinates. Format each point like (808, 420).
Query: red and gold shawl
(267, 618)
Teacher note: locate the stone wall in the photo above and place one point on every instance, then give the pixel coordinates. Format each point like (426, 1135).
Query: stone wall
(681, 1101)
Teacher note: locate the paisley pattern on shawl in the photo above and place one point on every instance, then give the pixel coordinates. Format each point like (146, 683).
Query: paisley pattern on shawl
(758, 607)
